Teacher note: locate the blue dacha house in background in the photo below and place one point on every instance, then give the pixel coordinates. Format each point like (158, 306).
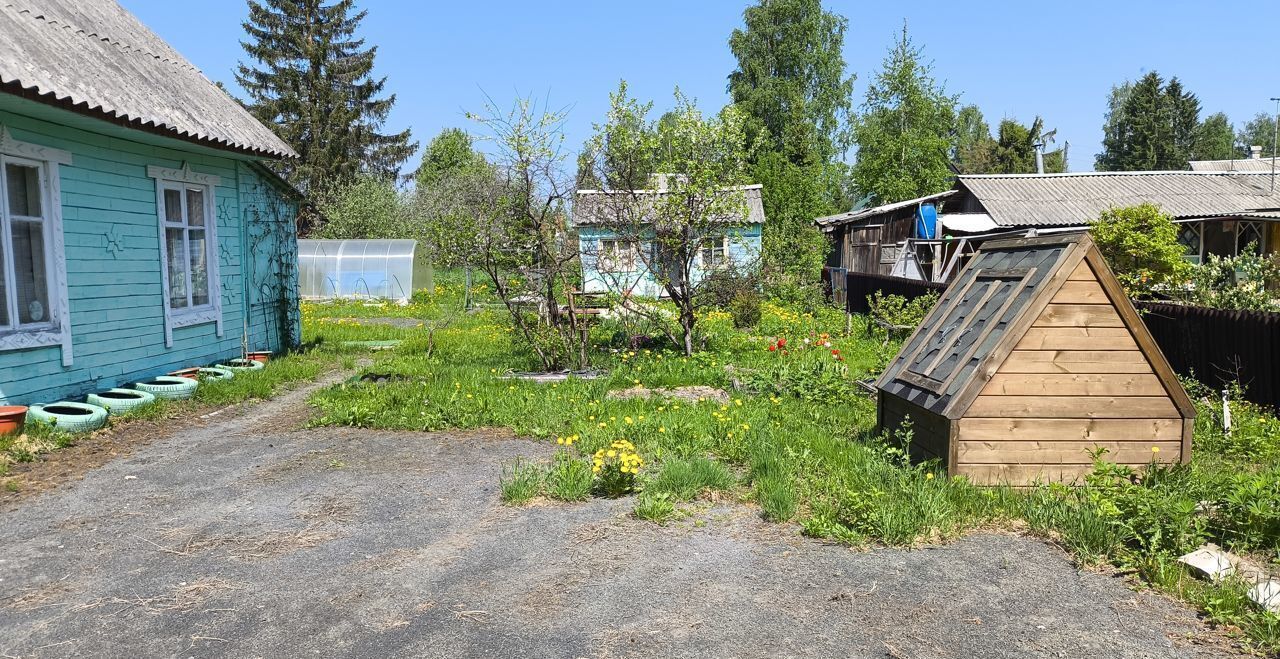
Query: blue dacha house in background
(613, 261)
(139, 230)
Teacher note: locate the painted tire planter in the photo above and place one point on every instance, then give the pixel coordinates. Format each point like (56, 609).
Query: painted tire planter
(217, 373)
(168, 386)
(203, 372)
(11, 418)
(69, 417)
(241, 365)
(120, 401)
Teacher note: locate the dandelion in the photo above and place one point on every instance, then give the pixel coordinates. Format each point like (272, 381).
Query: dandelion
(611, 453)
(738, 402)
(591, 418)
(661, 429)
(628, 420)
(602, 424)
(928, 476)
(560, 440)
(1155, 449)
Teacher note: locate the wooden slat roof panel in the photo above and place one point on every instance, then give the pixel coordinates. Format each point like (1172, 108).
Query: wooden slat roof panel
(96, 56)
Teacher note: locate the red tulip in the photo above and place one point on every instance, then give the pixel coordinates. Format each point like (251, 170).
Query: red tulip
(772, 347)
(782, 343)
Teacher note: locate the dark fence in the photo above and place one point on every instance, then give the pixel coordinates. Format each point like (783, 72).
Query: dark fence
(858, 285)
(1216, 346)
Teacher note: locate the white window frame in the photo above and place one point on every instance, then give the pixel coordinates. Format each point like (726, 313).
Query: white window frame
(184, 179)
(621, 258)
(57, 330)
(709, 246)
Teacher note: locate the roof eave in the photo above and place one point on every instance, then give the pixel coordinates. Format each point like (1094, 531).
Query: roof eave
(15, 88)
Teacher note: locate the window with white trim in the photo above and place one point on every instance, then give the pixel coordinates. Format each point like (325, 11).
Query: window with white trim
(714, 253)
(188, 246)
(25, 248)
(617, 255)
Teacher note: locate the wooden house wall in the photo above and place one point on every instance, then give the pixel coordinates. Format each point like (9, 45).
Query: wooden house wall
(1077, 379)
(111, 232)
(860, 245)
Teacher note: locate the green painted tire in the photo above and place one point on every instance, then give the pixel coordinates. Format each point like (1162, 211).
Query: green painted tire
(69, 417)
(168, 386)
(120, 401)
(241, 365)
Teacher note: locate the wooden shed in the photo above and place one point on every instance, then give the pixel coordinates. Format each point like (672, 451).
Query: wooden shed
(1031, 358)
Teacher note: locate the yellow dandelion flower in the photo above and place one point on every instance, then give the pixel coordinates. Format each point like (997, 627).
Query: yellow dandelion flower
(1155, 449)
(612, 454)
(591, 418)
(560, 440)
(662, 429)
(928, 476)
(602, 424)
(730, 435)
(628, 420)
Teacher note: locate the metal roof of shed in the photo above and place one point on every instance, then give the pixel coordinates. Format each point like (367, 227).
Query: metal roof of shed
(94, 57)
(1025, 200)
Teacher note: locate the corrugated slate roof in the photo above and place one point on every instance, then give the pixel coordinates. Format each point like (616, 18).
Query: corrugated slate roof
(1019, 200)
(94, 57)
(1241, 165)
(592, 207)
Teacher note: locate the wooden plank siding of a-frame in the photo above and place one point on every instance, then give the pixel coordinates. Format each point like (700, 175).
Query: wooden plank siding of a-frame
(1071, 371)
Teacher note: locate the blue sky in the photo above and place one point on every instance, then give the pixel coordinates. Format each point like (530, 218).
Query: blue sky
(1017, 60)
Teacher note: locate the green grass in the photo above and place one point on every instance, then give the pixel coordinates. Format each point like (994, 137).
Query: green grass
(686, 478)
(568, 478)
(656, 507)
(520, 483)
(801, 437)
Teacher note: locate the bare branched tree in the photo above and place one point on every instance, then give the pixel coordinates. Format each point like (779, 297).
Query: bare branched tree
(509, 220)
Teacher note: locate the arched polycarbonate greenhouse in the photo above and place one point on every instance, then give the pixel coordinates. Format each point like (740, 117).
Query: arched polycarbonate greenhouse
(381, 269)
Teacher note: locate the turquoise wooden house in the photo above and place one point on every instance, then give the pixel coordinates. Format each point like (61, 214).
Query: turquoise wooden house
(139, 230)
(617, 252)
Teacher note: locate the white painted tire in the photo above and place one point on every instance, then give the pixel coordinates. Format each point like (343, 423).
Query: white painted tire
(68, 417)
(168, 386)
(241, 365)
(120, 401)
(217, 373)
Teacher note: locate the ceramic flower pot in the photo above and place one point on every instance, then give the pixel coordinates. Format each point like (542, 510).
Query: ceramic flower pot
(260, 356)
(12, 418)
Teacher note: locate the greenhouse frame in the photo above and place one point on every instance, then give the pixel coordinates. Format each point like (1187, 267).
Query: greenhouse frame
(361, 269)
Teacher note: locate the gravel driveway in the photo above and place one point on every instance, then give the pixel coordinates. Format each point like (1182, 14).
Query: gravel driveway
(246, 537)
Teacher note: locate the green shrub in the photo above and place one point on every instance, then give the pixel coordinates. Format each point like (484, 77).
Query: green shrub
(898, 310)
(745, 309)
(1245, 282)
(520, 483)
(686, 479)
(1140, 243)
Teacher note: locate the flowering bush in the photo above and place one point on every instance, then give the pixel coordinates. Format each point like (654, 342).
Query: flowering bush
(615, 469)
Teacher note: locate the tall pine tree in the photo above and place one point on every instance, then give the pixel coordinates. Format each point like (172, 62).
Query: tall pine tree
(309, 78)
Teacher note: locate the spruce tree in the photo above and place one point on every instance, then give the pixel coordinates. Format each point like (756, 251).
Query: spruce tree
(906, 131)
(1154, 125)
(309, 78)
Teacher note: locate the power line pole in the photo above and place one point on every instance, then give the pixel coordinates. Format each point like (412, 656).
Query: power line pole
(1275, 133)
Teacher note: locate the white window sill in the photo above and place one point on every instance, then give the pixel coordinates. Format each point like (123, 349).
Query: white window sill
(193, 317)
(26, 339)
